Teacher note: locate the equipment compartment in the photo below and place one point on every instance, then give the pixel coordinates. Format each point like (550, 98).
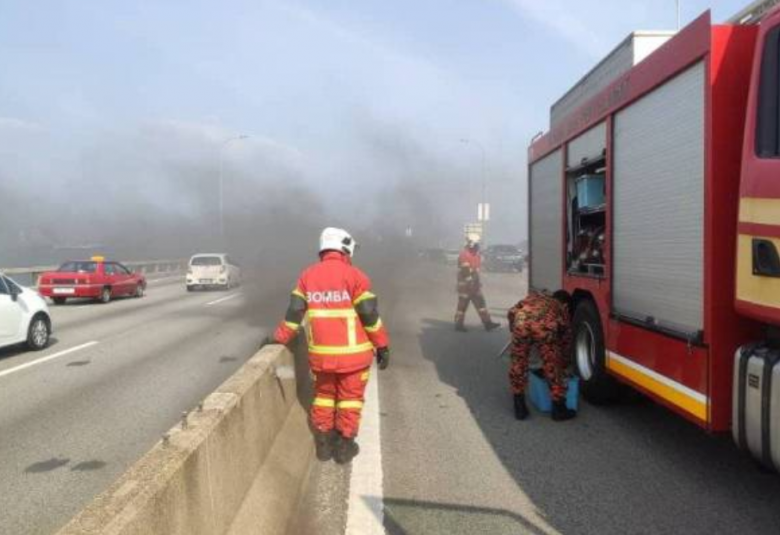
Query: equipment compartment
(586, 217)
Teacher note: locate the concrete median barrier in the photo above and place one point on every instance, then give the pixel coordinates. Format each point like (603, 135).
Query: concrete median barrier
(234, 465)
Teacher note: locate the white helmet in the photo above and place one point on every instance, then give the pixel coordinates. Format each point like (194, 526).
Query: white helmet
(336, 239)
(472, 238)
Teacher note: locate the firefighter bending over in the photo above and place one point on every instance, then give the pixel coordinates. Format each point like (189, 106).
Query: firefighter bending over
(542, 321)
(344, 330)
(470, 286)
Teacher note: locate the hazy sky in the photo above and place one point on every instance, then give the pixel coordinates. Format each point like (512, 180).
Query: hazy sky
(318, 84)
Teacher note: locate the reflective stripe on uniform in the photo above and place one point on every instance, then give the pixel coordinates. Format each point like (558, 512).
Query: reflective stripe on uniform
(291, 325)
(341, 350)
(375, 327)
(324, 402)
(363, 297)
(350, 404)
(299, 294)
(365, 375)
(352, 346)
(332, 313)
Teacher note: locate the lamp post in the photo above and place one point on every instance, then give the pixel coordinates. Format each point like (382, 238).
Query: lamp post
(483, 195)
(222, 182)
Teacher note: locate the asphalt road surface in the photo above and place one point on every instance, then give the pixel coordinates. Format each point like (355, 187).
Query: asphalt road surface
(456, 462)
(117, 376)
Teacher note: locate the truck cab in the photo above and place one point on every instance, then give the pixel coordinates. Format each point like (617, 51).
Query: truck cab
(758, 246)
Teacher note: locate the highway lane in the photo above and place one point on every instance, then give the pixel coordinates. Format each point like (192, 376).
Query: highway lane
(71, 424)
(455, 461)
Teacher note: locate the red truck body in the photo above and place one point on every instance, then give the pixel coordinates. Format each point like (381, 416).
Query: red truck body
(689, 369)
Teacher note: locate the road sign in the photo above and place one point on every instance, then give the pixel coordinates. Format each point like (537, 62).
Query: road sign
(483, 211)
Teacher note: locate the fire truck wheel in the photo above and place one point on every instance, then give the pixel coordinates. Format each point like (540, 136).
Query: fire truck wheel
(589, 356)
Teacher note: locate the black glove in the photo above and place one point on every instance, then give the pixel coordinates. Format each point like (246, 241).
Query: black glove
(383, 357)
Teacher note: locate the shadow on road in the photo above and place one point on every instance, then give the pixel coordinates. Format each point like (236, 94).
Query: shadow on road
(633, 468)
(407, 517)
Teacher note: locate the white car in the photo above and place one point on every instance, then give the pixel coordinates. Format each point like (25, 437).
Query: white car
(24, 316)
(212, 271)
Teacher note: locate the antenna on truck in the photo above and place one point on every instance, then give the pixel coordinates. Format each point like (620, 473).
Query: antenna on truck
(678, 15)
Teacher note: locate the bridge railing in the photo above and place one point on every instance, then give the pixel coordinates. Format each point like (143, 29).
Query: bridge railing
(28, 276)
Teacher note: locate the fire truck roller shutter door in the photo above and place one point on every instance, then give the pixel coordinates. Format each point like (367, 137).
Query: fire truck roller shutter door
(658, 204)
(546, 183)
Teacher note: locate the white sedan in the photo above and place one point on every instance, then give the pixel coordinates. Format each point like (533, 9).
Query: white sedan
(24, 316)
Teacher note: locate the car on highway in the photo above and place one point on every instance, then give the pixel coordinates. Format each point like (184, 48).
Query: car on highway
(24, 316)
(212, 270)
(96, 278)
(503, 258)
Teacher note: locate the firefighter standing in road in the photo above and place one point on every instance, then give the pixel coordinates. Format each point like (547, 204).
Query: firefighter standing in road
(470, 286)
(541, 321)
(344, 331)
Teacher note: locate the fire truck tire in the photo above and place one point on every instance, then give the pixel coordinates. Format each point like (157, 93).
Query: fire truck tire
(589, 356)
(58, 300)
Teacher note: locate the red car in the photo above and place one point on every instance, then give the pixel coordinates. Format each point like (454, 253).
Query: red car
(96, 278)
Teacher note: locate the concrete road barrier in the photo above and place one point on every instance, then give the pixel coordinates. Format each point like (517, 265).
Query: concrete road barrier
(196, 480)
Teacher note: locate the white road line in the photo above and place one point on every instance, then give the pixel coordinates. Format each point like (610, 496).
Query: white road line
(223, 299)
(366, 514)
(162, 279)
(47, 359)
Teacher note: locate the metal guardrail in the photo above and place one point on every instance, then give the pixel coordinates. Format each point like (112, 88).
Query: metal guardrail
(148, 267)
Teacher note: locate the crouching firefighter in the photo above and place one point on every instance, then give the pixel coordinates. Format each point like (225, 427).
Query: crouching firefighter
(470, 286)
(541, 321)
(344, 333)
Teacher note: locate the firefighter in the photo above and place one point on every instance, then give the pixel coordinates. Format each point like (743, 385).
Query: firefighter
(542, 321)
(344, 333)
(470, 286)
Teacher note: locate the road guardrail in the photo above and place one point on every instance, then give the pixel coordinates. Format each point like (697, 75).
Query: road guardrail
(29, 275)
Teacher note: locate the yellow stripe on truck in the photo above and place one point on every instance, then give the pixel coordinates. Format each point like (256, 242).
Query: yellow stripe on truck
(764, 291)
(675, 393)
(759, 211)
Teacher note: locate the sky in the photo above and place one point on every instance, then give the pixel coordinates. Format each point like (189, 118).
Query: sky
(367, 103)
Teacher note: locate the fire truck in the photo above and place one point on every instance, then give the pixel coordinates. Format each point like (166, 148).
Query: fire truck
(655, 204)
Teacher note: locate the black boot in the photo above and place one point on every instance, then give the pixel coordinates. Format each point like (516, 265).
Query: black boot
(560, 412)
(521, 409)
(346, 450)
(491, 326)
(460, 327)
(324, 445)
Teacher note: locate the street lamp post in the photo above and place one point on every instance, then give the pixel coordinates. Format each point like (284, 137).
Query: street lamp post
(483, 196)
(222, 182)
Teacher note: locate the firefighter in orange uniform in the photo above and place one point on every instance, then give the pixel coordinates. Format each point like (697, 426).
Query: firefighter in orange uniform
(470, 286)
(344, 333)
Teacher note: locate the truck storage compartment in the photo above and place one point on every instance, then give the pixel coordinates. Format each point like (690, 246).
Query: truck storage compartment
(658, 203)
(586, 202)
(756, 403)
(546, 183)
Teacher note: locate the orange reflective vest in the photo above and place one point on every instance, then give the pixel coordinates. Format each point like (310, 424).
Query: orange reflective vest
(344, 326)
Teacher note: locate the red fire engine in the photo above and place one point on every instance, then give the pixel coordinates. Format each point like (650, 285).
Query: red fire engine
(655, 203)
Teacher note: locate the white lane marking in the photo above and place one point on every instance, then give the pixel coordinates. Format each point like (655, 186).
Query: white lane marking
(163, 279)
(366, 515)
(9, 371)
(223, 299)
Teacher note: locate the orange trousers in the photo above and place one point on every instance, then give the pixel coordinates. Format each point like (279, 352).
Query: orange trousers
(338, 401)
